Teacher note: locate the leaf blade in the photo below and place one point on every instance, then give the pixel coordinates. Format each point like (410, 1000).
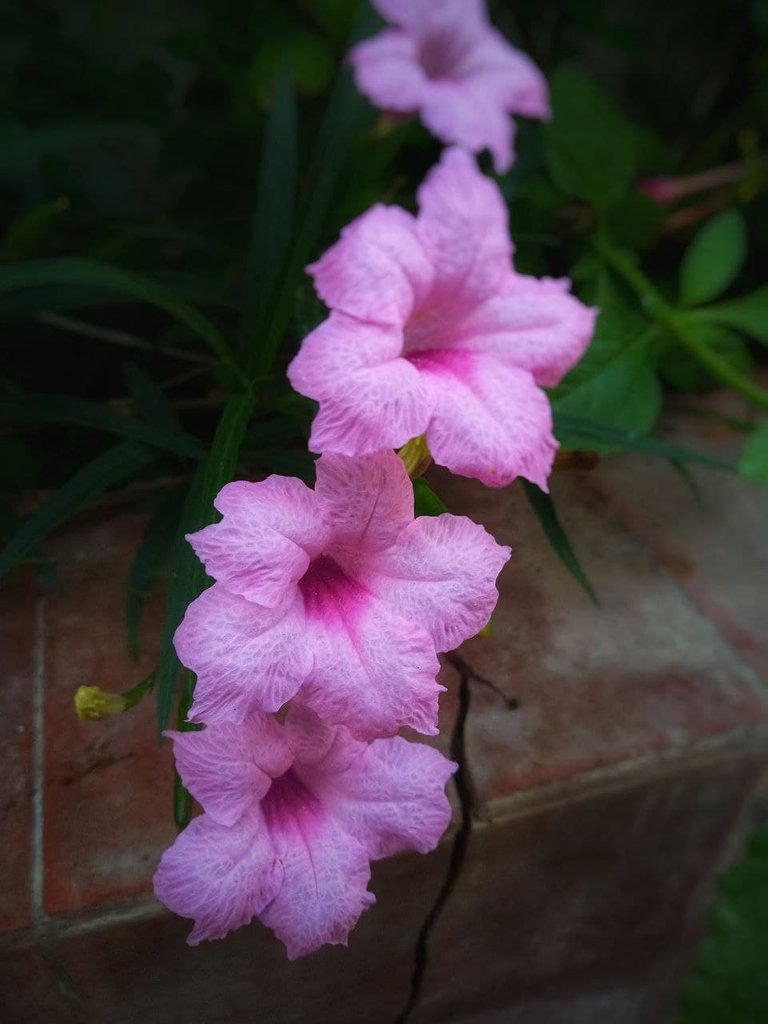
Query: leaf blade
(714, 258)
(748, 314)
(754, 459)
(274, 214)
(31, 408)
(188, 579)
(545, 511)
(108, 469)
(89, 274)
(577, 432)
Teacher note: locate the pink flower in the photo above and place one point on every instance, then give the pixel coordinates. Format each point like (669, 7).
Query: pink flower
(445, 61)
(294, 813)
(338, 593)
(432, 330)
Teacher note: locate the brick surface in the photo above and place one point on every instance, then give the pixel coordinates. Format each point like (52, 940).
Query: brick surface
(570, 912)
(643, 675)
(107, 784)
(143, 972)
(599, 806)
(35, 990)
(17, 641)
(715, 545)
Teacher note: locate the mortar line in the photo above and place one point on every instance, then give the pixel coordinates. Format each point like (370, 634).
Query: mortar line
(38, 764)
(457, 855)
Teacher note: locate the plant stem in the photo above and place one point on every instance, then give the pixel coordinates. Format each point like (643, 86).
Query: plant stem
(676, 323)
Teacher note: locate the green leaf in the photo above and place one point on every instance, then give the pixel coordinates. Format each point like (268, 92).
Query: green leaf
(273, 219)
(714, 258)
(87, 274)
(306, 55)
(635, 221)
(152, 402)
(425, 501)
(345, 114)
(681, 371)
(188, 577)
(577, 432)
(544, 508)
(25, 234)
(589, 145)
(182, 798)
(150, 560)
(615, 382)
(748, 314)
(112, 467)
(730, 984)
(625, 393)
(30, 408)
(754, 459)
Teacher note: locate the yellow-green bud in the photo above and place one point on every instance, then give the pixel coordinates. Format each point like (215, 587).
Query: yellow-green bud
(416, 456)
(93, 703)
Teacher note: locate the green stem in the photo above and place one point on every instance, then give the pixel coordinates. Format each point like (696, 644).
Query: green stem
(657, 306)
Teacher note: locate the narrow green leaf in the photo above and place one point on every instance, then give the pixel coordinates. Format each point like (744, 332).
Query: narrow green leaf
(188, 577)
(546, 513)
(754, 459)
(345, 115)
(589, 145)
(112, 467)
(676, 367)
(273, 220)
(425, 501)
(25, 234)
(577, 432)
(30, 408)
(151, 400)
(182, 798)
(150, 560)
(748, 314)
(714, 258)
(88, 274)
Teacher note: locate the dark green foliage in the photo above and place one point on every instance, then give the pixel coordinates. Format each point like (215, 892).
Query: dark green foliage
(730, 983)
(713, 259)
(546, 513)
(589, 144)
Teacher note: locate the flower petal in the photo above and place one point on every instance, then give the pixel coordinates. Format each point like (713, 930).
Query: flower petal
(228, 768)
(370, 398)
(317, 746)
(392, 797)
(378, 269)
(325, 885)
(507, 76)
(491, 421)
(532, 323)
(463, 224)
(387, 71)
(221, 877)
(373, 674)
(264, 543)
(366, 501)
(426, 16)
(246, 657)
(458, 111)
(442, 573)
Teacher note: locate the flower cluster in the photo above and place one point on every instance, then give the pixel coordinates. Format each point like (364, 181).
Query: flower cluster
(318, 640)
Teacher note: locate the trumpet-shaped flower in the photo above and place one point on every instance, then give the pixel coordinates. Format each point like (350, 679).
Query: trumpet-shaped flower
(294, 813)
(338, 593)
(445, 61)
(431, 330)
